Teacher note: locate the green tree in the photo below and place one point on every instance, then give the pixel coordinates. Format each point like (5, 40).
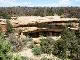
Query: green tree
(78, 38)
(66, 47)
(67, 43)
(60, 48)
(6, 52)
(5, 49)
(36, 50)
(5, 16)
(71, 42)
(47, 45)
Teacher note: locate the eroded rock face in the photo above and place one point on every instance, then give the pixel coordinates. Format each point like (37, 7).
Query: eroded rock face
(23, 21)
(34, 25)
(22, 37)
(3, 25)
(36, 40)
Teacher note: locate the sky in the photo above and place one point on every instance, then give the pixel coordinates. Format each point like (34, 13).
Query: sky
(39, 3)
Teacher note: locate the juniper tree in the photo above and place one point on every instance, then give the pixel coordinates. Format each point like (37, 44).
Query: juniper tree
(71, 41)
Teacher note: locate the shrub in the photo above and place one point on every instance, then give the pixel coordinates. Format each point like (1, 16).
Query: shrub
(44, 58)
(5, 49)
(36, 50)
(71, 42)
(20, 58)
(47, 45)
(5, 16)
(68, 42)
(59, 48)
(31, 45)
(16, 42)
(6, 52)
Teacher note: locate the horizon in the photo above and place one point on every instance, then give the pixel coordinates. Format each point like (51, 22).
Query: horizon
(40, 3)
(38, 6)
